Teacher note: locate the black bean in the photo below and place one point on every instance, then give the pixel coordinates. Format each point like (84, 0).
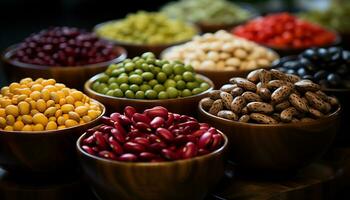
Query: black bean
(309, 77)
(302, 71)
(322, 74)
(334, 79)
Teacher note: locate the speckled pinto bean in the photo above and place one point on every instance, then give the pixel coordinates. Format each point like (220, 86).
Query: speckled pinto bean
(270, 97)
(207, 103)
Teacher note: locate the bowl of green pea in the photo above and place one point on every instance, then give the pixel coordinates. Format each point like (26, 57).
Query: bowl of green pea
(145, 81)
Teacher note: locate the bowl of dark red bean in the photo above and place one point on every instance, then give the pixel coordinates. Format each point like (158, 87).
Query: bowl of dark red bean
(153, 155)
(330, 68)
(67, 54)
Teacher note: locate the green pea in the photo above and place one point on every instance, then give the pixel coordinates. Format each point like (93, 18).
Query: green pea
(152, 83)
(95, 85)
(189, 68)
(158, 88)
(126, 60)
(135, 58)
(145, 67)
(147, 55)
(103, 78)
(135, 79)
(198, 79)
(192, 85)
(197, 91)
(110, 93)
(172, 92)
(158, 63)
(134, 88)
(186, 93)
(167, 69)
(161, 77)
(156, 70)
(112, 80)
(162, 95)
(129, 94)
(177, 78)
(147, 76)
(122, 79)
(123, 74)
(138, 71)
(150, 60)
(109, 71)
(104, 90)
(113, 86)
(140, 95)
(205, 86)
(117, 72)
(179, 69)
(138, 63)
(188, 76)
(118, 93)
(124, 87)
(170, 83)
(151, 94)
(101, 87)
(180, 84)
(129, 67)
(145, 87)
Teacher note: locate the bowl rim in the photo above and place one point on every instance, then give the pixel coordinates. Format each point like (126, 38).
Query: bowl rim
(53, 132)
(125, 43)
(294, 57)
(216, 71)
(89, 90)
(223, 148)
(334, 114)
(9, 51)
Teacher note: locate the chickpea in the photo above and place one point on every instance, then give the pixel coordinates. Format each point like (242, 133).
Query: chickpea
(24, 108)
(10, 120)
(51, 126)
(70, 123)
(12, 110)
(38, 127)
(81, 110)
(40, 118)
(70, 100)
(49, 112)
(66, 108)
(27, 128)
(27, 119)
(8, 128)
(18, 126)
(74, 116)
(45, 94)
(41, 105)
(77, 95)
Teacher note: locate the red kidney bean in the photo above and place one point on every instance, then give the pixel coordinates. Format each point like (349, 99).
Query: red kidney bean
(205, 140)
(157, 111)
(157, 122)
(119, 127)
(172, 148)
(192, 138)
(107, 154)
(180, 139)
(119, 136)
(176, 116)
(115, 117)
(217, 138)
(107, 120)
(172, 127)
(128, 157)
(189, 151)
(115, 146)
(168, 154)
(157, 146)
(89, 140)
(143, 126)
(212, 130)
(158, 160)
(137, 117)
(135, 133)
(129, 111)
(100, 140)
(165, 134)
(125, 120)
(88, 149)
(143, 141)
(105, 129)
(204, 126)
(170, 120)
(147, 156)
(177, 132)
(133, 147)
(92, 130)
(153, 138)
(184, 118)
(199, 132)
(202, 152)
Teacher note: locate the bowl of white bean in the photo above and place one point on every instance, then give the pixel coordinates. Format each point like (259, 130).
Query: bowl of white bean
(221, 56)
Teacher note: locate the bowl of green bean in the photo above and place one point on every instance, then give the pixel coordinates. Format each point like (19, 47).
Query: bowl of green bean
(145, 81)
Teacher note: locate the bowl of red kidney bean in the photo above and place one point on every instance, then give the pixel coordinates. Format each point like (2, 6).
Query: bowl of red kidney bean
(67, 54)
(286, 33)
(152, 155)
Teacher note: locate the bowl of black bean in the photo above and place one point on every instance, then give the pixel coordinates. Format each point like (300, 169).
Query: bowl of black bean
(330, 68)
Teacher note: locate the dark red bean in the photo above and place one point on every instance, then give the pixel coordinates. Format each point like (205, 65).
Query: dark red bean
(143, 141)
(100, 140)
(212, 130)
(119, 136)
(143, 126)
(107, 154)
(106, 129)
(170, 120)
(172, 148)
(180, 139)
(192, 124)
(119, 127)
(153, 138)
(136, 133)
(177, 132)
(147, 156)
(157, 122)
(157, 146)
(125, 121)
(115, 117)
(165, 134)
(107, 120)
(168, 154)
(189, 151)
(133, 147)
(172, 127)
(217, 139)
(204, 126)
(128, 157)
(92, 130)
(202, 152)
(129, 111)
(158, 160)
(89, 140)
(205, 140)
(88, 150)
(115, 146)
(176, 116)
(137, 117)
(157, 111)
(192, 138)
(198, 133)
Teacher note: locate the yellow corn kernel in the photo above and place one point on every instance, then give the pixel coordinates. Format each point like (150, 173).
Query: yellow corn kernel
(27, 119)
(8, 128)
(24, 108)
(51, 126)
(10, 120)
(66, 108)
(70, 123)
(40, 118)
(27, 128)
(38, 127)
(18, 125)
(12, 110)
(41, 105)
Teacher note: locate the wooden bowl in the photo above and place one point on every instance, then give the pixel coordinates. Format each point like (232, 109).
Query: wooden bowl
(73, 77)
(278, 147)
(183, 179)
(219, 77)
(138, 49)
(42, 152)
(184, 105)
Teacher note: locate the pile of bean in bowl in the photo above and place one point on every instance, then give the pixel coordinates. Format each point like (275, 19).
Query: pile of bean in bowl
(155, 135)
(221, 51)
(329, 67)
(64, 46)
(146, 77)
(44, 105)
(269, 97)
